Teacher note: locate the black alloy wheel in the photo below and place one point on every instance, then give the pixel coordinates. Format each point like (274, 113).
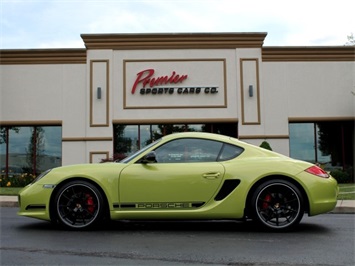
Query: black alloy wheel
(78, 205)
(277, 205)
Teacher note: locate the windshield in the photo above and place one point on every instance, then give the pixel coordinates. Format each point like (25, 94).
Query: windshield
(134, 155)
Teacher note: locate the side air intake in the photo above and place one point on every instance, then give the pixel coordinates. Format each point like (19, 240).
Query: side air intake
(227, 188)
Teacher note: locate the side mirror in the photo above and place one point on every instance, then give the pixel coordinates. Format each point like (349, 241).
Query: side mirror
(149, 158)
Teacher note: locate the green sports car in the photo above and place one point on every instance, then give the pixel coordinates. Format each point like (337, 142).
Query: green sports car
(184, 176)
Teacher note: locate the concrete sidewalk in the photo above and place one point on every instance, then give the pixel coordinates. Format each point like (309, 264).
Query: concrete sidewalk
(343, 206)
(8, 201)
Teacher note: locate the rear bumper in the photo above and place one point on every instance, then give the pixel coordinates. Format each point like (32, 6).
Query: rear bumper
(322, 195)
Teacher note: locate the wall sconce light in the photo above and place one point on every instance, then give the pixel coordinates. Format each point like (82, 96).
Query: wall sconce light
(251, 91)
(98, 93)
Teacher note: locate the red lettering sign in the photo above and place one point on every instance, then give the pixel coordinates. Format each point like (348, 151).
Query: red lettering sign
(145, 78)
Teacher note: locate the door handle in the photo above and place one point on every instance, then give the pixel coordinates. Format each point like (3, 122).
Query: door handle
(211, 175)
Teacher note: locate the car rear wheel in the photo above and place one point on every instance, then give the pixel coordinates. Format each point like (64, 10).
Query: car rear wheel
(277, 205)
(78, 205)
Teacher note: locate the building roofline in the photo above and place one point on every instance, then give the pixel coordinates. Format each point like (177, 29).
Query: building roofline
(161, 41)
(308, 53)
(173, 40)
(42, 56)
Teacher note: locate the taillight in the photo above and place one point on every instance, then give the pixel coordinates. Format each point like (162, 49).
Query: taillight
(315, 170)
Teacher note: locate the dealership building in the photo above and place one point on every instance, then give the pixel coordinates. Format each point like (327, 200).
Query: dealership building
(123, 91)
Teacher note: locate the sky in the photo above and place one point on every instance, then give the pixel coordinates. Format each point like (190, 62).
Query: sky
(29, 24)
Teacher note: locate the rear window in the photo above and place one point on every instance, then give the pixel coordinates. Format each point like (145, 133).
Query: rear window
(229, 152)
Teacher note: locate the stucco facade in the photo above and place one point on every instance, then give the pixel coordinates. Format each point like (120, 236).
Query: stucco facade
(213, 78)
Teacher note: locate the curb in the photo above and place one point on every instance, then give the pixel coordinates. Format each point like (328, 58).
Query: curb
(8, 204)
(343, 206)
(9, 201)
(343, 210)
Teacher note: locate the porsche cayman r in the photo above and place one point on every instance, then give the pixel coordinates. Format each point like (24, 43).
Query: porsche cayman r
(184, 176)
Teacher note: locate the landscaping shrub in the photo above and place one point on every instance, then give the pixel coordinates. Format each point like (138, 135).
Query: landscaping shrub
(342, 176)
(265, 145)
(20, 180)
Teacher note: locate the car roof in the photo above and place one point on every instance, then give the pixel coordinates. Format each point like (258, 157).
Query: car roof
(204, 135)
(222, 138)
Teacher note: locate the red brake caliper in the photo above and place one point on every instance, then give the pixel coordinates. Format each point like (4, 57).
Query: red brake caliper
(90, 203)
(266, 201)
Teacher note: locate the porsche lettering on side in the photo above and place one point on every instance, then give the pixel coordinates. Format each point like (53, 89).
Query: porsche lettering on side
(184, 176)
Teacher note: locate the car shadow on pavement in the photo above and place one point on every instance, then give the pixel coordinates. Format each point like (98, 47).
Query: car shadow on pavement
(179, 226)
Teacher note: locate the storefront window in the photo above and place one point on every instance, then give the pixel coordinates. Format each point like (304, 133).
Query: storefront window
(3, 149)
(30, 150)
(126, 140)
(148, 134)
(329, 144)
(196, 128)
(130, 138)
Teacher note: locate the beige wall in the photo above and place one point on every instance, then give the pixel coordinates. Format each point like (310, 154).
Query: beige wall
(60, 87)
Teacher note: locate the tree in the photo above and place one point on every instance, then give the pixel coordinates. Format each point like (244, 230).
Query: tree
(3, 133)
(123, 145)
(337, 140)
(351, 40)
(35, 149)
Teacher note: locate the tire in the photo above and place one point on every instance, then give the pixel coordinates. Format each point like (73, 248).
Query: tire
(277, 205)
(78, 205)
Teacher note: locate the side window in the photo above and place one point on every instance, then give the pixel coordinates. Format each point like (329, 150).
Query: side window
(188, 150)
(229, 152)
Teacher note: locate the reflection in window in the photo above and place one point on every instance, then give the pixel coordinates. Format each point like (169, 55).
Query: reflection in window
(302, 141)
(148, 134)
(328, 143)
(188, 150)
(126, 140)
(305, 143)
(131, 138)
(229, 152)
(30, 150)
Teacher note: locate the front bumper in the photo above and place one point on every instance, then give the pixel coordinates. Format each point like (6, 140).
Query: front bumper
(34, 201)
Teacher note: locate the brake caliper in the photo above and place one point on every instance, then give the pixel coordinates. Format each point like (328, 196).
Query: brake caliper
(266, 202)
(90, 203)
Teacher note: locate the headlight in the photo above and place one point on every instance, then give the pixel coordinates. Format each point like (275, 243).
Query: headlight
(41, 175)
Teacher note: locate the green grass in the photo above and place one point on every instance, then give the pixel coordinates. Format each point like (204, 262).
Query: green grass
(346, 191)
(9, 191)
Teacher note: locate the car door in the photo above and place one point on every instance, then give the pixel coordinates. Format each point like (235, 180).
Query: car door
(185, 175)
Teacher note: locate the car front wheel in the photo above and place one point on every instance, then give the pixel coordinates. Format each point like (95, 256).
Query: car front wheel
(277, 205)
(78, 205)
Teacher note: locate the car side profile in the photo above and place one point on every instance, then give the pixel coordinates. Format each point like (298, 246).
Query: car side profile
(184, 176)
